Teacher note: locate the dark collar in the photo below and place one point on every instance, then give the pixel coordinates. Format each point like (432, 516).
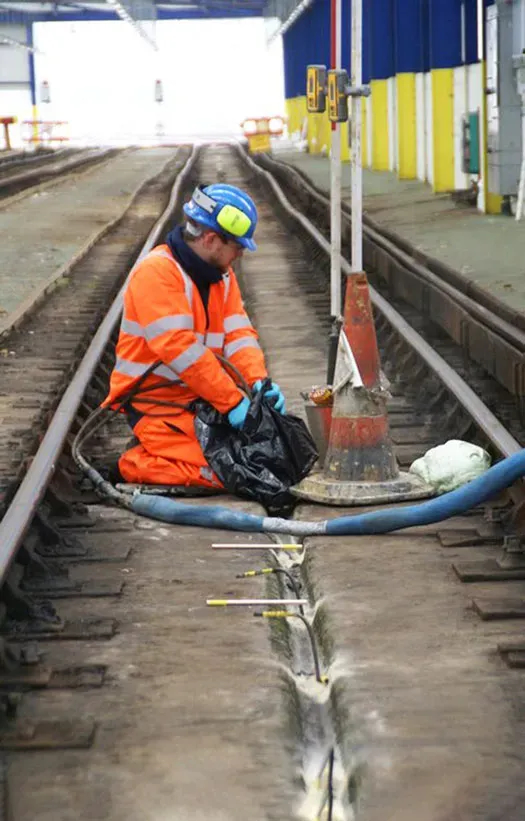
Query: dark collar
(201, 272)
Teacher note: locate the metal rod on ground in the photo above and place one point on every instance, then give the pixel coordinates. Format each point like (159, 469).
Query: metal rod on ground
(266, 571)
(357, 108)
(335, 199)
(269, 546)
(256, 603)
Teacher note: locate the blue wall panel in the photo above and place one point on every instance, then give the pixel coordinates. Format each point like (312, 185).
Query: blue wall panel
(471, 32)
(293, 62)
(382, 32)
(424, 35)
(445, 33)
(367, 53)
(318, 40)
(407, 35)
(306, 42)
(346, 35)
(398, 36)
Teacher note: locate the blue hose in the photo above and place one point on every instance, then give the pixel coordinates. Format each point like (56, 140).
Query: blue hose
(178, 513)
(493, 481)
(474, 493)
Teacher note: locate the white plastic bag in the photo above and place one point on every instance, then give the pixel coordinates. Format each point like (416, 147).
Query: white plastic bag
(451, 465)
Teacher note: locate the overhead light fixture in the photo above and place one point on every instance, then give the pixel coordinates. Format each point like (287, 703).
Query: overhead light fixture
(124, 14)
(9, 41)
(45, 94)
(296, 13)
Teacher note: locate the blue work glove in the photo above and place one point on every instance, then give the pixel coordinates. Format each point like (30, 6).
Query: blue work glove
(275, 391)
(237, 415)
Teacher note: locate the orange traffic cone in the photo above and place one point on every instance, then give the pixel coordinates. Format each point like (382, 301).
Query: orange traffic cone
(360, 465)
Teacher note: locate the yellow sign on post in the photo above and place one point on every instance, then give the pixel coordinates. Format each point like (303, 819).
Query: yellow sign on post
(257, 143)
(316, 89)
(337, 97)
(259, 131)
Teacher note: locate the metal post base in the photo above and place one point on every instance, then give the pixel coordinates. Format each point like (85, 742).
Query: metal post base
(319, 488)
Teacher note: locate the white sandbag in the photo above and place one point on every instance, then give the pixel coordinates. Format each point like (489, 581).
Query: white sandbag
(451, 465)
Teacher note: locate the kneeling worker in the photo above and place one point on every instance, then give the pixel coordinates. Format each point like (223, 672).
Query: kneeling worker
(182, 305)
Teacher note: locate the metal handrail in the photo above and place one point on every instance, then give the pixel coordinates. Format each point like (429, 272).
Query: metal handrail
(495, 432)
(18, 516)
(393, 247)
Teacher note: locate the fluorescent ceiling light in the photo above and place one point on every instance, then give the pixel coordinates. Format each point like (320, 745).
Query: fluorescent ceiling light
(124, 14)
(9, 41)
(291, 20)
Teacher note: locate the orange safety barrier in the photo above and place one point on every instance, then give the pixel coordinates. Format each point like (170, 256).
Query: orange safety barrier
(260, 130)
(44, 132)
(6, 122)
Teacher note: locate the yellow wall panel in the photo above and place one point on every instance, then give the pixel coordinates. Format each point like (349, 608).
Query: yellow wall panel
(406, 125)
(296, 112)
(443, 128)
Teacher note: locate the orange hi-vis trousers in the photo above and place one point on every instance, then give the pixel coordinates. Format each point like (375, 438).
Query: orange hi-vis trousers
(168, 454)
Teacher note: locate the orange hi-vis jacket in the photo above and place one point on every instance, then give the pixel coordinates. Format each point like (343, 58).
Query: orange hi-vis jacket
(164, 319)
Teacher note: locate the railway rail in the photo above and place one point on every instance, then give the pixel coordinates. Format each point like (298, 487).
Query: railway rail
(22, 173)
(34, 376)
(58, 542)
(14, 158)
(488, 337)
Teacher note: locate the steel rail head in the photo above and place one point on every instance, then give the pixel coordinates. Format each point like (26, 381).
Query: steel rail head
(400, 250)
(20, 512)
(495, 432)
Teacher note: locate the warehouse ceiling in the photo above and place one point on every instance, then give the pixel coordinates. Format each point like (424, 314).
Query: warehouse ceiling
(279, 14)
(21, 11)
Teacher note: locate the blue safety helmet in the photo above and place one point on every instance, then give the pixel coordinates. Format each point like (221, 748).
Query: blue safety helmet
(225, 209)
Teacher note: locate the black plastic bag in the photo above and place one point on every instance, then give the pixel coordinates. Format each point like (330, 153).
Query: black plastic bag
(264, 459)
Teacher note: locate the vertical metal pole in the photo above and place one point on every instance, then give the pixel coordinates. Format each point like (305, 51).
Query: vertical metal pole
(335, 202)
(335, 177)
(357, 167)
(521, 188)
(465, 68)
(481, 29)
(483, 177)
(32, 81)
(464, 56)
(422, 35)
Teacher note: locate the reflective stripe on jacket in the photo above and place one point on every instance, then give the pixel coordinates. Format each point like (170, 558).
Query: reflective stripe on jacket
(164, 318)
